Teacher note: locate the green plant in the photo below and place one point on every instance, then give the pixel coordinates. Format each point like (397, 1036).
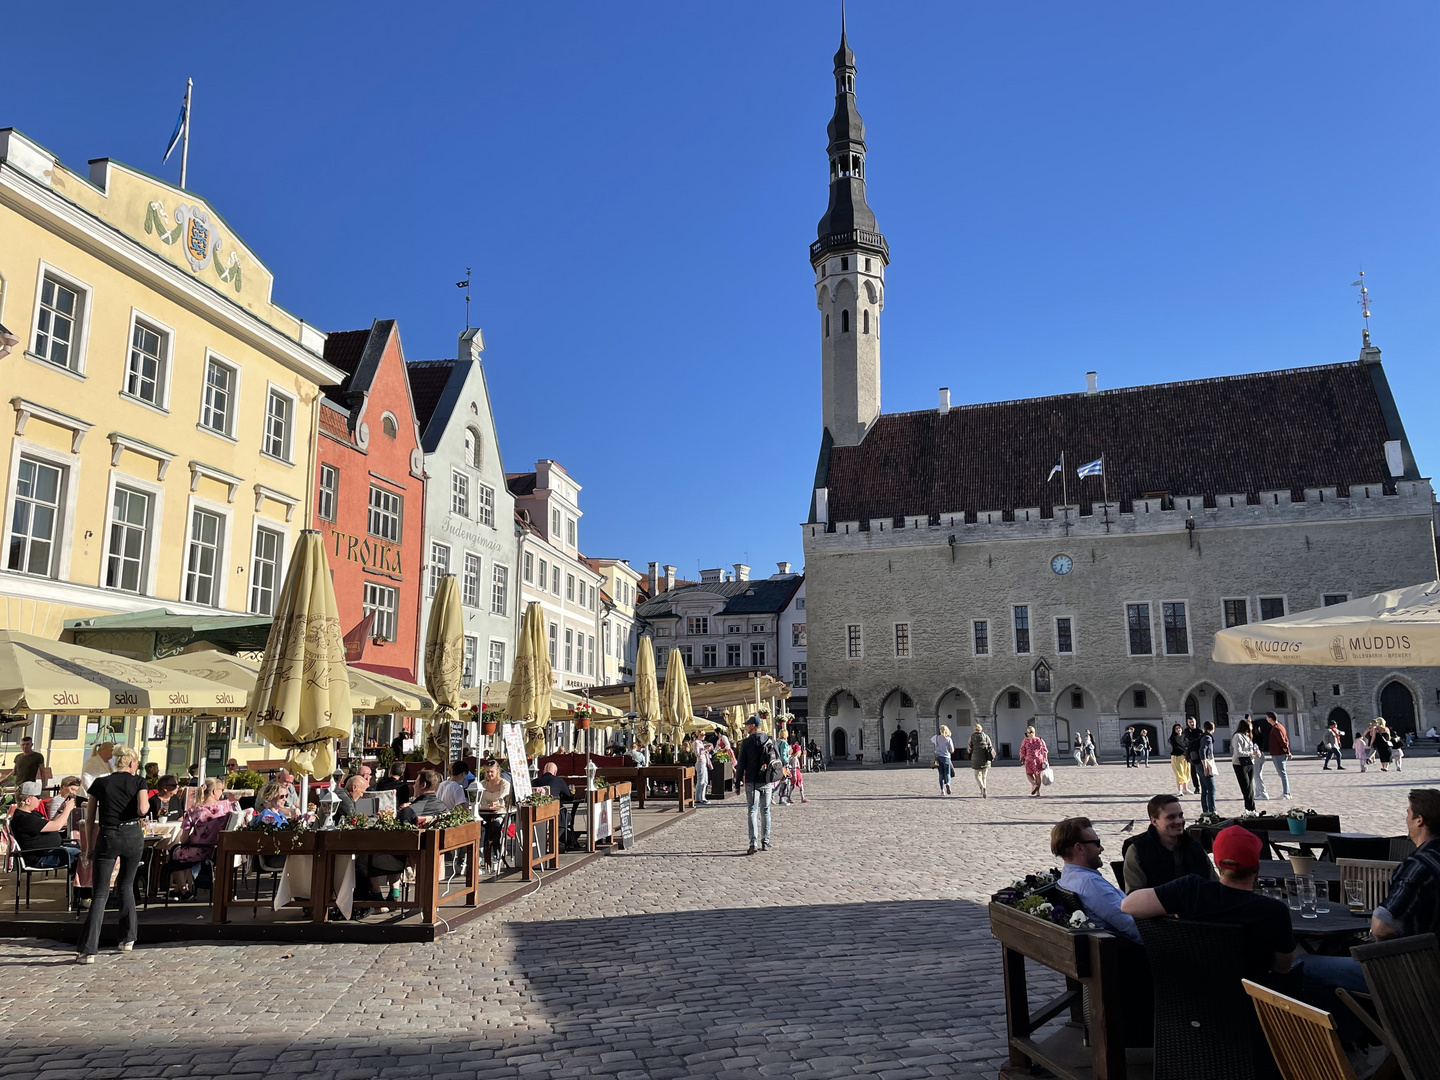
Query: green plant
(245, 780)
(385, 757)
(601, 782)
(1209, 819)
(292, 832)
(459, 815)
(388, 822)
(537, 798)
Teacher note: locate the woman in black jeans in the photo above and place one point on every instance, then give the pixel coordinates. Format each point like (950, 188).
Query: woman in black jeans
(118, 802)
(1243, 755)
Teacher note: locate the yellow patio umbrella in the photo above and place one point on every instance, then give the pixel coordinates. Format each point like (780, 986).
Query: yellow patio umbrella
(444, 665)
(735, 723)
(699, 723)
(39, 676)
(647, 694)
(562, 704)
(531, 682)
(677, 697)
(369, 692)
(302, 694)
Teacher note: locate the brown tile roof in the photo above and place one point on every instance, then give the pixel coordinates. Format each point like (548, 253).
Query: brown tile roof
(343, 348)
(520, 483)
(1277, 430)
(427, 383)
(334, 420)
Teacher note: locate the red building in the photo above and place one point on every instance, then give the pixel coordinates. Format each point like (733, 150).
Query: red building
(370, 499)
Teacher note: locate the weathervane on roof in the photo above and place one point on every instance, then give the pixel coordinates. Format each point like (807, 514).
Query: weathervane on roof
(466, 286)
(1364, 303)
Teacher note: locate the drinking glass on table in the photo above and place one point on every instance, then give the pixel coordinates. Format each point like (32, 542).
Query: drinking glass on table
(1322, 898)
(1307, 899)
(1292, 893)
(1355, 895)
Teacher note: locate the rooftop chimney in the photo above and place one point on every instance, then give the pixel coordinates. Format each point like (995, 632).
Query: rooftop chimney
(669, 577)
(712, 575)
(654, 578)
(742, 572)
(784, 567)
(944, 400)
(1092, 383)
(472, 344)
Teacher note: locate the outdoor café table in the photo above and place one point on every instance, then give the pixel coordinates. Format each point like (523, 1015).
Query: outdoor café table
(682, 776)
(1282, 868)
(1325, 930)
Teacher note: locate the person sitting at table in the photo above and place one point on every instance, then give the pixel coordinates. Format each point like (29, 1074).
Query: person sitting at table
(347, 794)
(69, 790)
(636, 754)
(152, 775)
(163, 797)
(192, 774)
(200, 831)
(270, 805)
(1269, 939)
(552, 781)
(44, 841)
(1075, 841)
(286, 779)
(452, 791)
(395, 781)
(1164, 851)
(383, 870)
(494, 794)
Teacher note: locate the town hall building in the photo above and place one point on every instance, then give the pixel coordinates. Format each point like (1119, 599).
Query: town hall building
(949, 582)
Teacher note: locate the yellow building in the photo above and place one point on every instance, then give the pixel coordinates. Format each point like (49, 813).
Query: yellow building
(619, 636)
(161, 409)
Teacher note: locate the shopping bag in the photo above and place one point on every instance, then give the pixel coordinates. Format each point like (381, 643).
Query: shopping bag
(1047, 776)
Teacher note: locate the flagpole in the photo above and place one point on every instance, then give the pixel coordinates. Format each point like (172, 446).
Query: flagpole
(1064, 485)
(185, 135)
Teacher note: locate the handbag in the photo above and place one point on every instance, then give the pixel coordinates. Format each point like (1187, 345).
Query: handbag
(1207, 766)
(1047, 776)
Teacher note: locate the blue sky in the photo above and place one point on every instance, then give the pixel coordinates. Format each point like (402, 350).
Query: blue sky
(1156, 192)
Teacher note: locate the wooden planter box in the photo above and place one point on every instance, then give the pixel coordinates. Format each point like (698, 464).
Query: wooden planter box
(460, 835)
(548, 815)
(398, 841)
(242, 842)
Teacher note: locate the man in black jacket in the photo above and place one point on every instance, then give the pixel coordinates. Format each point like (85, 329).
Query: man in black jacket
(1193, 735)
(1164, 851)
(751, 761)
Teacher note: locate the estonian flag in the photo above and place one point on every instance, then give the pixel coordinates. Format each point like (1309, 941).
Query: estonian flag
(1092, 468)
(175, 136)
(1057, 467)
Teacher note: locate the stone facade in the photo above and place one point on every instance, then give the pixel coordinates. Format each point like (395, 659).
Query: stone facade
(937, 580)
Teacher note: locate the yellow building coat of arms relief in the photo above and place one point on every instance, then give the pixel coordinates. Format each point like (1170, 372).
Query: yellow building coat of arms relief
(199, 238)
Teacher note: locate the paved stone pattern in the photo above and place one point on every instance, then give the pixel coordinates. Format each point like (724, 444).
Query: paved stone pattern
(858, 947)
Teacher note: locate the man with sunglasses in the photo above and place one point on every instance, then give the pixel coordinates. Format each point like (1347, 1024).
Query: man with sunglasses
(1074, 840)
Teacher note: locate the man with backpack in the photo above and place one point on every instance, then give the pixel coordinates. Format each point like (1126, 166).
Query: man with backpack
(758, 768)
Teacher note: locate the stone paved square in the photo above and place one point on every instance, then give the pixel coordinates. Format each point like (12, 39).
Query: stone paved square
(858, 947)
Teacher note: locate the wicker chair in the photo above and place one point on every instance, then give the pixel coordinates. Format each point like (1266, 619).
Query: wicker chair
(1303, 1039)
(1357, 847)
(1404, 980)
(1375, 873)
(1400, 848)
(1205, 1026)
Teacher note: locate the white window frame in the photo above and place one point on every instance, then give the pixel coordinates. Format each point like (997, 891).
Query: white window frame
(555, 578)
(708, 650)
(855, 650)
(1164, 642)
(1234, 599)
(1125, 624)
(570, 589)
(322, 491)
(544, 575)
(470, 583)
(1055, 626)
(554, 643)
(799, 674)
(283, 550)
(166, 359)
(739, 655)
(398, 514)
(555, 526)
(570, 647)
(1029, 628)
(460, 493)
(989, 639)
(432, 563)
(233, 410)
(1343, 593)
(470, 661)
(222, 579)
(1284, 598)
(485, 504)
(85, 296)
(571, 533)
(529, 563)
(499, 588)
(764, 654)
(590, 655)
(494, 674)
(69, 465)
(909, 645)
(697, 625)
(272, 390)
(157, 516)
(384, 614)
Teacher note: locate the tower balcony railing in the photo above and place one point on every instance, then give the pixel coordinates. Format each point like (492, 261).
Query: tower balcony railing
(855, 238)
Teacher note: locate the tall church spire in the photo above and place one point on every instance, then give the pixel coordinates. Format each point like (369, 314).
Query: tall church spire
(849, 256)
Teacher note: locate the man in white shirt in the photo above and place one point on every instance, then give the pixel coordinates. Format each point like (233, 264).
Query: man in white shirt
(98, 765)
(452, 791)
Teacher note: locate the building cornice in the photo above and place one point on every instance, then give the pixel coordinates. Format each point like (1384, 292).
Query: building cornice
(25, 408)
(120, 443)
(59, 215)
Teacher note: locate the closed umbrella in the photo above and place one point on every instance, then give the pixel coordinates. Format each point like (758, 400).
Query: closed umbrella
(1400, 628)
(42, 676)
(735, 723)
(302, 694)
(444, 664)
(647, 694)
(531, 682)
(677, 697)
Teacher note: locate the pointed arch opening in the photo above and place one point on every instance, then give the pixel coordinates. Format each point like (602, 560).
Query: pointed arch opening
(844, 321)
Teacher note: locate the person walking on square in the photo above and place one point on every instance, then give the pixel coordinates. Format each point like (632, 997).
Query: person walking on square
(1179, 765)
(1078, 749)
(755, 770)
(982, 753)
(1036, 755)
(118, 803)
(1205, 767)
(1280, 753)
(1242, 757)
(1330, 744)
(702, 772)
(944, 763)
(797, 771)
(1193, 735)
(1089, 750)
(1381, 742)
(1362, 749)
(1144, 741)
(1127, 743)
(1260, 736)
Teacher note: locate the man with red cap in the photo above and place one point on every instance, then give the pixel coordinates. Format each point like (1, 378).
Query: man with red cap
(1270, 943)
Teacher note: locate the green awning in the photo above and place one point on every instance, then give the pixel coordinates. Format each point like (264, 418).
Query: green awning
(157, 633)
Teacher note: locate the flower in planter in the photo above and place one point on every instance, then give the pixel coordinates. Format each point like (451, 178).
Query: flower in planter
(1078, 921)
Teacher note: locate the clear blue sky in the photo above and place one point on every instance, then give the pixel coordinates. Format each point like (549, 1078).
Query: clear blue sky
(1154, 191)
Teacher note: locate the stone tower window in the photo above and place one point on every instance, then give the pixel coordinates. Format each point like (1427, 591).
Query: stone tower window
(844, 322)
(865, 322)
(827, 325)
(844, 263)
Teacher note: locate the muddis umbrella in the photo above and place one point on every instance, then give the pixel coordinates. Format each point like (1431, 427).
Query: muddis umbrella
(42, 676)
(531, 682)
(302, 694)
(444, 664)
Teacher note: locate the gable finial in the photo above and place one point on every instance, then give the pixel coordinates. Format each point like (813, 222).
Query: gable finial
(1364, 303)
(466, 286)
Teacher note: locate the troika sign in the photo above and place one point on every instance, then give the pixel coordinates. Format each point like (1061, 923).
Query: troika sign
(369, 552)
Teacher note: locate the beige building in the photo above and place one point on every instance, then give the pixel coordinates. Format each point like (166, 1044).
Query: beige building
(619, 596)
(160, 409)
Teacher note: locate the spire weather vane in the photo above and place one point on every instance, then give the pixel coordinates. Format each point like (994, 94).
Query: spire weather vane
(1364, 303)
(466, 286)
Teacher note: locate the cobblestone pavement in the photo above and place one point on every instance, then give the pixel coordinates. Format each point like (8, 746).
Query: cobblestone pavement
(858, 947)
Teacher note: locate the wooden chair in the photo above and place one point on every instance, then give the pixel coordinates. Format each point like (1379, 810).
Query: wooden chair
(1303, 1039)
(1404, 979)
(1375, 873)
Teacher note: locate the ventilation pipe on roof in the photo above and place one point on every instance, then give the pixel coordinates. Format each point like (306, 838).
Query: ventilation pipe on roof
(944, 400)
(654, 578)
(783, 567)
(742, 572)
(1092, 383)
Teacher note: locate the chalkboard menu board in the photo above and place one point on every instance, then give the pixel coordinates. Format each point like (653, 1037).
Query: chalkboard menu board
(457, 740)
(627, 828)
